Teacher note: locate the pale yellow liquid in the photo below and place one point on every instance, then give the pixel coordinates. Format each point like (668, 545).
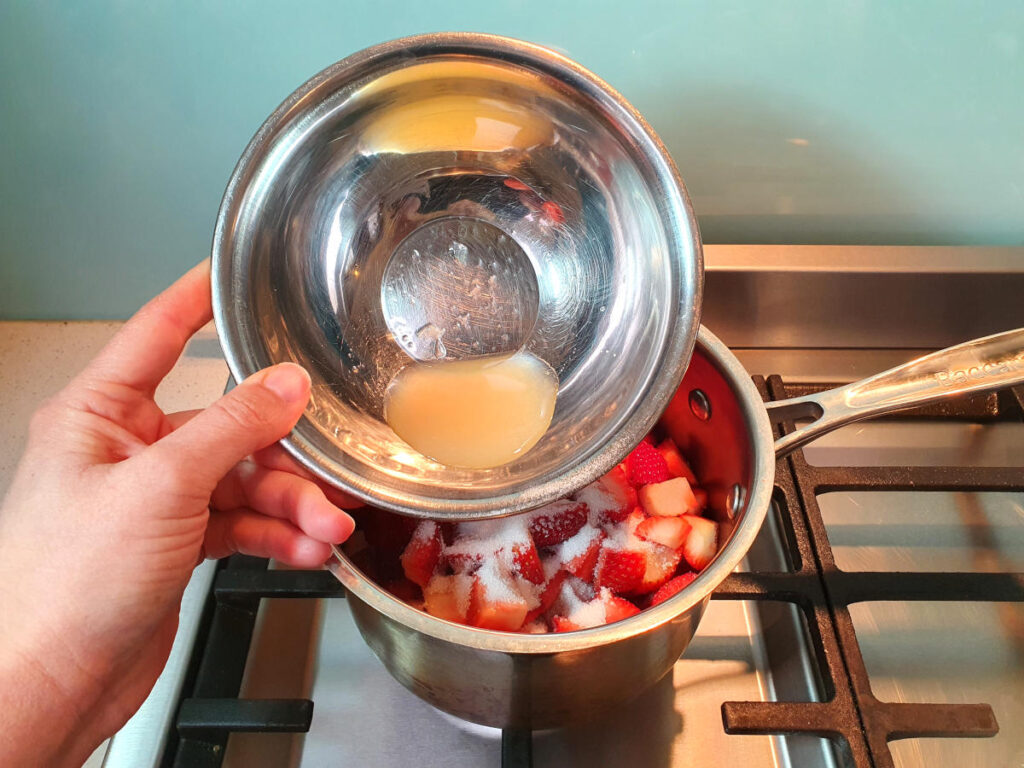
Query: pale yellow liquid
(473, 413)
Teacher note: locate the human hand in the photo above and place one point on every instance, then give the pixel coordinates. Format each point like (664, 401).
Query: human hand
(110, 509)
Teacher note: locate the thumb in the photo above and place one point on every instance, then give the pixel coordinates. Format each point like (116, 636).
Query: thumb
(258, 412)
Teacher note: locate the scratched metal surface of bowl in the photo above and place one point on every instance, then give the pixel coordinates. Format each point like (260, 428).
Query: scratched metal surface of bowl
(447, 197)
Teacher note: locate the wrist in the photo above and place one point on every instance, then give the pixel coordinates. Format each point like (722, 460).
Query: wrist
(49, 702)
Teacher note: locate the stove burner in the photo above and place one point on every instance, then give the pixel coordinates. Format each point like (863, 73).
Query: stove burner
(858, 723)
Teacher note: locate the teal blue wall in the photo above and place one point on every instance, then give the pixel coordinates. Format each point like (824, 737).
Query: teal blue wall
(865, 121)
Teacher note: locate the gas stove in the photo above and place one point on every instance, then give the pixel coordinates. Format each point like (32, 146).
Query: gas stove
(876, 622)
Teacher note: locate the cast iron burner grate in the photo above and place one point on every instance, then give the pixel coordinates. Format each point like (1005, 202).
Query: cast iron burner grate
(851, 716)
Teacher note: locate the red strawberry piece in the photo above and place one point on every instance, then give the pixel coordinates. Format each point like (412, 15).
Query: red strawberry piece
(674, 461)
(617, 608)
(645, 465)
(442, 598)
(634, 519)
(548, 596)
(701, 497)
(582, 565)
(669, 498)
(515, 184)
(622, 495)
(503, 609)
(702, 543)
(461, 561)
(562, 624)
(620, 570)
(670, 532)
(660, 565)
(557, 522)
(672, 587)
(419, 559)
(526, 562)
(405, 590)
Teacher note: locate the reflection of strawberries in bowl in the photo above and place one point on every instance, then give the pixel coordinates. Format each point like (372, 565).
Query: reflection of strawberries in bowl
(632, 539)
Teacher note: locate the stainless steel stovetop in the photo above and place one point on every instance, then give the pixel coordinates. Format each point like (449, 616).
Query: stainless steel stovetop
(934, 651)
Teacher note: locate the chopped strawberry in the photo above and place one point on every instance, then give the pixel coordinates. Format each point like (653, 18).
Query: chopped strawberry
(616, 608)
(562, 624)
(669, 498)
(677, 466)
(422, 553)
(633, 521)
(526, 562)
(620, 570)
(660, 565)
(609, 499)
(460, 561)
(702, 543)
(582, 565)
(500, 608)
(443, 598)
(556, 522)
(672, 587)
(670, 532)
(617, 486)
(547, 596)
(628, 539)
(645, 465)
(701, 497)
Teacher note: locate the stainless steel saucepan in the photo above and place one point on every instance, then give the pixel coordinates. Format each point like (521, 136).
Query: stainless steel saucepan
(719, 420)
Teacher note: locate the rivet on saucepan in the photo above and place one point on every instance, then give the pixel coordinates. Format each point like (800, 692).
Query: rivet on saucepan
(734, 502)
(700, 405)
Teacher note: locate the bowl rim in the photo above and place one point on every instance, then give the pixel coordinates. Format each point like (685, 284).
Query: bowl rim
(698, 591)
(675, 211)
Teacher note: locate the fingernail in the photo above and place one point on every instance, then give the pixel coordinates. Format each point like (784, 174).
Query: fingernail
(288, 381)
(350, 526)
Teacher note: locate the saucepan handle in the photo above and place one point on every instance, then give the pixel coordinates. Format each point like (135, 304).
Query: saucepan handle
(993, 362)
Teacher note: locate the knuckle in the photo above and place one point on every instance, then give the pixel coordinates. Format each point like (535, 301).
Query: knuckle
(248, 412)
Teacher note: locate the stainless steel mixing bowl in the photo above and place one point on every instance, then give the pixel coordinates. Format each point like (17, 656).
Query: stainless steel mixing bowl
(452, 196)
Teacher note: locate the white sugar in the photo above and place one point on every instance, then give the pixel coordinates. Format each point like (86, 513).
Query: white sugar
(529, 591)
(484, 539)
(551, 566)
(496, 584)
(504, 530)
(567, 600)
(424, 532)
(535, 628)
(590, 614)
(598, 501)
(578, 545)
(462, 586)
(618, 538)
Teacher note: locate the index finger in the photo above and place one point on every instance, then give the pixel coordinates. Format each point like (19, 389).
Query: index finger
(143, 352)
